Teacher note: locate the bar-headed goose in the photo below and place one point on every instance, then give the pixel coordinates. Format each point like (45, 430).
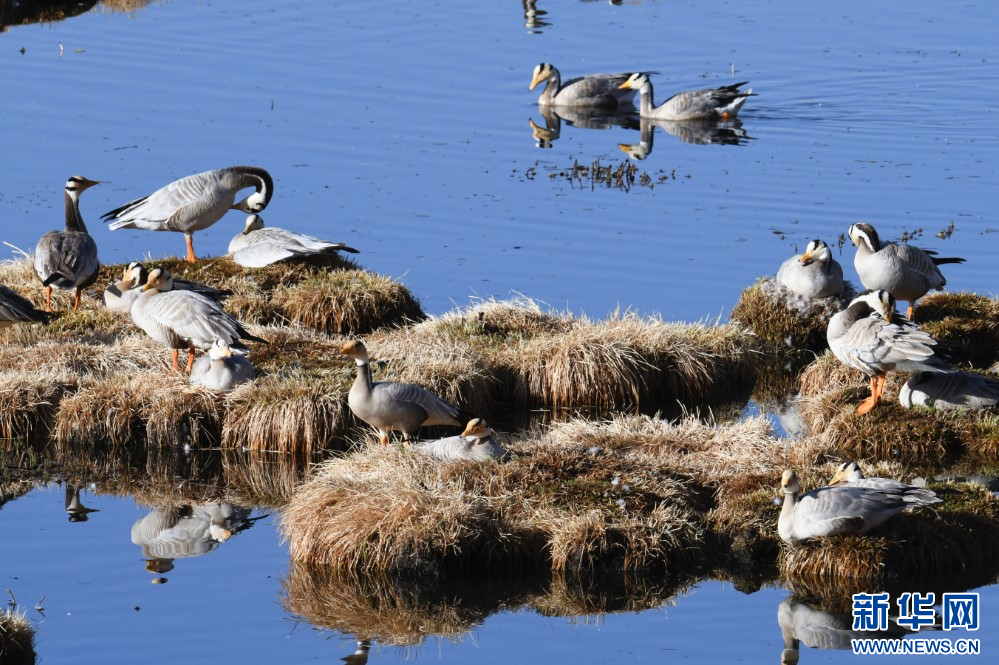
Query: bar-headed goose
(904, 271)
(603, 90)
(184, 319)
(258, 245)
(120, 295)
(222, 368)
(15, 308)
(870, 336)
(474, 444)
(195, 202)
(68, 259)
(813, 274)
(850, 474)
(844, 508)
(723, 102)
(956, 390)
(388, 406)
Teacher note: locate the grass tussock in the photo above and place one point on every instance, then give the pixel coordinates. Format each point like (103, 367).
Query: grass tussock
(28, 403)
(785, 321)
(965, 325)
(17, 638)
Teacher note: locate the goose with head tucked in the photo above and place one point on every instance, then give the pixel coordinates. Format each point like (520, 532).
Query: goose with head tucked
(258, 245)
(906, 272)
(850, 474)
(68, 259)
(184, 319)
(594, 90)
(474, 444)
(388, 405)
(813, 274)
(15, 308)
(195, 202)
(222, 368)
(950, 391)
(119, 296)
(870, 336)
(723, 102)
(843, 508)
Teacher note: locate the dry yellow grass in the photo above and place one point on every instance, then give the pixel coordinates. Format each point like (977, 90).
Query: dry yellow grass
(786, 322)
(17, 638)
(965, 325)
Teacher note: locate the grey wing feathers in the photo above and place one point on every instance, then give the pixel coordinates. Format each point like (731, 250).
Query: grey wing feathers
(920, 262)
(67, 259)
(15, 307)
(195, 318)
(156, 210)
(438, 411)
(876, 346)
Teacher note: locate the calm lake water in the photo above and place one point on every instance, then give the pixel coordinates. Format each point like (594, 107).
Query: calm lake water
(402, 129)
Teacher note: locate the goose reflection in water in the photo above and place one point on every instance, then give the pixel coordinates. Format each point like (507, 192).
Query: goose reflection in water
(699, 132)
(820, 629)
(186, 531)
(75, 509)
(534, 18)
(582, 117)
(360, 655)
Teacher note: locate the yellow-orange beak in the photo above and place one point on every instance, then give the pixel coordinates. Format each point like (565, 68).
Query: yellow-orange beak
(806, 258)
(535, 81)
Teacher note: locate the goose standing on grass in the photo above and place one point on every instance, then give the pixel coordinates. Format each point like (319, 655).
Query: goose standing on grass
(814, 274)
(388, 406)
(68, 259)
(222, 368)
(120, 295)
(474, 444)
(906, 272)
(837, 509)
(195, 202)
(258, 246)
(723, 102)
(601, 90)
(184, 319)
(15, 308)
(870, 336)
(956, 390)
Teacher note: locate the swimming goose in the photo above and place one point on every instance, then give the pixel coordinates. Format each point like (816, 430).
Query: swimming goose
(184, 319)
(594, 90)
(195, 202)
(837, 509)
(120, 295)
(956, 390)
(68, 259)
(475, 444)
(723, 102)
(870, 336)
(904, 271)
(15, 308)
(387, 405)
(222, 368)
(258, 246)
(813, 274)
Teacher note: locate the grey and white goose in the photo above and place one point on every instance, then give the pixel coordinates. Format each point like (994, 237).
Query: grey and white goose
(222, 368)
(723, 102)
(195, 202)
(258, 245)
(68, 259)
(388, 405)
(945, 392)
(119, 296)
(850, 474)
(15, 308)
(599, 90)
(474, 444)
(906, 272)
(184, 319)
(813, 274)
(870, 336)
(842, 508)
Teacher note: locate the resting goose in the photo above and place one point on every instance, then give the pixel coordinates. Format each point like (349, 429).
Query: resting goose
(68, 259)
(222, 368)
(904, 271)
(869, 336)
(813, 274)
(723, 102)
(184, 319)
(850, 474)
(195, 202)
(603, 90)
(388, 406)
(15, 308)
(843, 508)
(474, 444)
(258, 246)
(956, 390)
(120, 295)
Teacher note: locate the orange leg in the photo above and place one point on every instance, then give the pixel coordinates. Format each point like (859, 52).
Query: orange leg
(176, 353)
(191, 258)
(881, 386)
(190, 360)
(868, 404)
(76, 300)
(910, 311)
(383, 437)
(48, 298)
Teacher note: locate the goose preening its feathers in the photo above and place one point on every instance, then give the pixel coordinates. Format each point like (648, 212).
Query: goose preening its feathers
(723, 102)
(388, 405)
(603, 90)
(68, 259)
(258, 245)
(195, 202)
(906, 272)
(842, 508)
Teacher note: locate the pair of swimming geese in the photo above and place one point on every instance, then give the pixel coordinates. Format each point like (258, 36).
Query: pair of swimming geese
(613, 91)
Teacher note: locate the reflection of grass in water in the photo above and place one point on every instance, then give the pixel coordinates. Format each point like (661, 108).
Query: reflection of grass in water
(622, 176)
